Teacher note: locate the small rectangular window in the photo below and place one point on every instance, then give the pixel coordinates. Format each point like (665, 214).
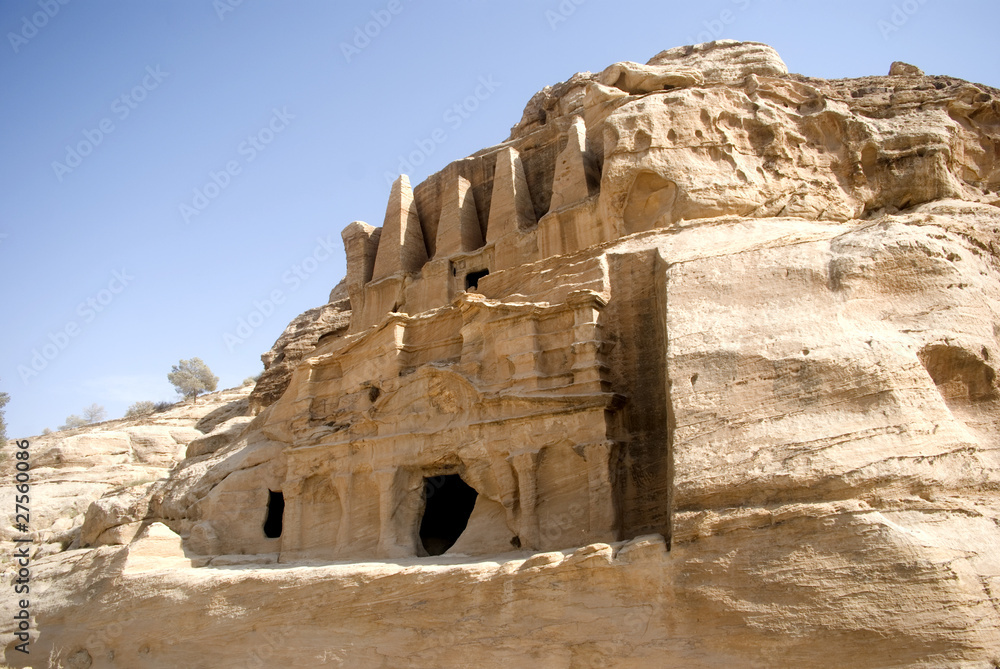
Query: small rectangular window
(472, 279)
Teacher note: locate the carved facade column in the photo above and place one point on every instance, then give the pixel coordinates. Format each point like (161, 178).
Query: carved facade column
(600, 491)
(458, 226)
(520, 346)
(291, 522)
(401, 245)
(526, 466)
(385, 480)
(397, 330)
(342, 483)
(589, 370)
(360, 246)
(504, 474)
(511, 210)
(574, 173)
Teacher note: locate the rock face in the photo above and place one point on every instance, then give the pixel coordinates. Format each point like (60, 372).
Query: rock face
(298, 340)
(92, 485)
(697, 369)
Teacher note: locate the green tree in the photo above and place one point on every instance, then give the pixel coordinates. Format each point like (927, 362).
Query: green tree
(95, 413)
(4, 398)
(73, 421)
(141, 408)
(192, 377)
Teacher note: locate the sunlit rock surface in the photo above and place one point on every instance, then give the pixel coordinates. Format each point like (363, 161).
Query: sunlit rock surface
(697, 369)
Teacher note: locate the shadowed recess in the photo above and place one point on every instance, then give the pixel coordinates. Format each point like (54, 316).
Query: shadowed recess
(449, 503)
(472, 279)
(275, 510)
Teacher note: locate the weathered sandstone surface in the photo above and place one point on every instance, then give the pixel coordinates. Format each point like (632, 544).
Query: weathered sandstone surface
(120, 459)
(296, 342)
(697, 369)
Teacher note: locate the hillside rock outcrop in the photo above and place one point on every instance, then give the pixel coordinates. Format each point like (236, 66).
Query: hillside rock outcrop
(114, 465)
(297, 341)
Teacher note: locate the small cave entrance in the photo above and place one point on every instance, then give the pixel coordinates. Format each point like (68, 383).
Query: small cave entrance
(472, 279)
(959, 374)
(275, 511)
(448, 503)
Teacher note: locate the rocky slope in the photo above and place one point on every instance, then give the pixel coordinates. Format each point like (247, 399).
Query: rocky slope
(787, 291)
(114, 464)
(296, 342)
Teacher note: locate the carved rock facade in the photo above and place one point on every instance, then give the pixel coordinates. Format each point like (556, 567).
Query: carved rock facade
(511, 322)
(701, 363)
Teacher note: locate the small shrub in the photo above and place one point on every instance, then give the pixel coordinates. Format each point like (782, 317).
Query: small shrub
(73, 421)
(4, 398)
(95, 413)
(141, 408)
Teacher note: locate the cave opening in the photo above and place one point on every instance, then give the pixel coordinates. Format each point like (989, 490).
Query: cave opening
(448, 504)
(275, 511)
(472, 279)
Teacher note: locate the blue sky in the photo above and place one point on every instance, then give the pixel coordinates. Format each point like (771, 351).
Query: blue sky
(176, 173)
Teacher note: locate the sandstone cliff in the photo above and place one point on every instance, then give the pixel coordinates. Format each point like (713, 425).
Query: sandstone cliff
(696, 369)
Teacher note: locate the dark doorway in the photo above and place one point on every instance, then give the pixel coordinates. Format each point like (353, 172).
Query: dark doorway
(448, 504)
(472, 278)
(275, 510)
